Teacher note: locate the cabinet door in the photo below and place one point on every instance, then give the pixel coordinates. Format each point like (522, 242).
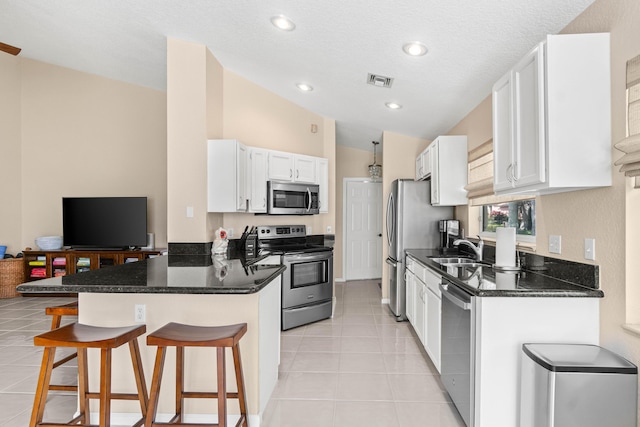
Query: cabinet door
(241, 178)
(529, 132)
(323, 182)
(419, 167)
(434, 155)
(257, 171)
(305, 169)
(502, 134)
(410, 295)
(280, 166)
(433, 327)
(420, 310)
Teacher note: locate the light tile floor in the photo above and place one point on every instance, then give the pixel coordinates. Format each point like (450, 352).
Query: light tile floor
(360, 368)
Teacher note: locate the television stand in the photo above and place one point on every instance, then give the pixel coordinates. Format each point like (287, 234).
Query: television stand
(45, 264)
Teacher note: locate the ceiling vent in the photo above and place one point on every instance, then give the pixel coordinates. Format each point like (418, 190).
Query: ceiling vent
(380, 81)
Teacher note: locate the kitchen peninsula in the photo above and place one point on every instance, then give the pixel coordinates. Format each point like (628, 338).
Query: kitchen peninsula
(190, 289)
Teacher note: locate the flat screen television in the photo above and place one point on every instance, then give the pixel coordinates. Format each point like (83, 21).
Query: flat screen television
(104, 222)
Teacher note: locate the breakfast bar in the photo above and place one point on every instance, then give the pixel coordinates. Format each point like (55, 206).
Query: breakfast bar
(189, 289)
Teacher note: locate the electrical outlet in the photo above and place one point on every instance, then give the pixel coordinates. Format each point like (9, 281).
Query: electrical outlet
(590, 249)
(329, 229)
(189, 211)
(139, 314)
(555, 244)
(229, 233)
(309, 229)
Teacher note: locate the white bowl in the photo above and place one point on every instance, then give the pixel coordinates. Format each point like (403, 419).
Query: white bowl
(49, 243)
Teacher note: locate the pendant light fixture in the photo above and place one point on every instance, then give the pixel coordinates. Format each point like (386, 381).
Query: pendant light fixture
(375, 170)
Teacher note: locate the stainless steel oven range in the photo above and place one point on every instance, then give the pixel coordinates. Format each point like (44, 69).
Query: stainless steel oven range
(307, 283)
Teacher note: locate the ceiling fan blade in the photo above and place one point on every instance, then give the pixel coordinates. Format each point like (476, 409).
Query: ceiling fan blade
(9, 49)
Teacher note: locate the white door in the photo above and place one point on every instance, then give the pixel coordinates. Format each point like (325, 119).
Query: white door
(363, 229)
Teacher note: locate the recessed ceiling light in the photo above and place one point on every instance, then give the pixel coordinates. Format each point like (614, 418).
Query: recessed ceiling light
(393, 105)
(304, 87)
(283, 23)
(414, 49)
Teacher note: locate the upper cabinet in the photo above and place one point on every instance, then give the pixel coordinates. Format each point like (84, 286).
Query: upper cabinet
(322, 172)
(551, 118)
(291, 167)
(257, 171)
(423, 165)
(238, 175)
(226, 176)
(445, 161)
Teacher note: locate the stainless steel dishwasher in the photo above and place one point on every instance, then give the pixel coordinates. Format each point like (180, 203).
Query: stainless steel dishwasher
(458, 337)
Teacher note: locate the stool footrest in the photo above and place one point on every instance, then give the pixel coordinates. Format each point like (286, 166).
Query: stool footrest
(63, 387)
(206, 395)
(65, 360)
(115, 396)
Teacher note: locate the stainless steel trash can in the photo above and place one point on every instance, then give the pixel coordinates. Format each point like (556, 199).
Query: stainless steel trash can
(577, 385)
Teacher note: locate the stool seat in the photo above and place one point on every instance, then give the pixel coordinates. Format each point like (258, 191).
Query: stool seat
(180, 336)
(86, 336)
(173, 334)
(83, 337)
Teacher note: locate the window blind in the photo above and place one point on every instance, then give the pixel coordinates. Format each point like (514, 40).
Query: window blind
(480, 178)
(630, 162)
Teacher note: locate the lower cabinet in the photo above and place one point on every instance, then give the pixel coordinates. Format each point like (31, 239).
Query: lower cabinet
(424, 302)
(433, 321)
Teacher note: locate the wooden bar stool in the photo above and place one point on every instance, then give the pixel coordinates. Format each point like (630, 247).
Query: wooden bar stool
(57, 312)
(181, 336)
(82, 337)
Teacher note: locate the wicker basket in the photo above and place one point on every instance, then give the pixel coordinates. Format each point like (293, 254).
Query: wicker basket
(11, 275)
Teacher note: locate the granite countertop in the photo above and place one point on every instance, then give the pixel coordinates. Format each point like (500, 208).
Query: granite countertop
(559, 280)
(171, 274)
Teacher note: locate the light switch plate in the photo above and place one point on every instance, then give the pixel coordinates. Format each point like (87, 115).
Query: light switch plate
(555, 244)
(590, 249)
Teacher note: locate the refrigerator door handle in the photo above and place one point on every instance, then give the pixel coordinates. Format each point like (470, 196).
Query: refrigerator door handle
(392, 262)
(390, 220)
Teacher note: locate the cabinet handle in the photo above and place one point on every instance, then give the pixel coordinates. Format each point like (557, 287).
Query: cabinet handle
(297, 173)
(513, 171)
(264, 202)
(509, 169)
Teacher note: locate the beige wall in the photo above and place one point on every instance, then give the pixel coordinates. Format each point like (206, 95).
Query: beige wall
(76, 134)
(351, 163)
(259, 118)
(398, 161)
(10, 154)
(608, 214)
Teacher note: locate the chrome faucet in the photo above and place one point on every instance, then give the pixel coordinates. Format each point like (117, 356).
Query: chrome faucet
(476, 249)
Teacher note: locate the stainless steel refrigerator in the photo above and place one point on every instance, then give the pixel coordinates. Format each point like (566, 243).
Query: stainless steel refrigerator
(412, 223)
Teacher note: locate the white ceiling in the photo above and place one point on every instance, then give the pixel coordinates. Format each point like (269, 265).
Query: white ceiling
(335, 44)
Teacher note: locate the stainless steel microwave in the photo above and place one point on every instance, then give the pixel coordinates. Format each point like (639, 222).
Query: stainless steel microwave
(284, 198)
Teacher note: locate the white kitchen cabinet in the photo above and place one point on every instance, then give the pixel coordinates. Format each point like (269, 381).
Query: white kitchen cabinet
(322, 166)
(423, 165)
(416, 296)
(305, 169)
(448, 157)
(433, 328)
(226, 176)
(410, 281)
(257, 171)
(551, 118)
(280, 166)
(291, 167)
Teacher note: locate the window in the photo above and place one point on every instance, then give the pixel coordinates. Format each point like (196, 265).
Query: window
(520, 214)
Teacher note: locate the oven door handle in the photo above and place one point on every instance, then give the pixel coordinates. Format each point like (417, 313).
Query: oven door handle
(457, 298)
(317, 256)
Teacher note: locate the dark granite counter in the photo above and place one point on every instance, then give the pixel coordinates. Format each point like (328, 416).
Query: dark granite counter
(556, 279)
(172, 274)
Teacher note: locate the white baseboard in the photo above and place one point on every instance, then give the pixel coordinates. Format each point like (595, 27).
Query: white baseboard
(122, 418)
(340, 280)
(385, 301)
